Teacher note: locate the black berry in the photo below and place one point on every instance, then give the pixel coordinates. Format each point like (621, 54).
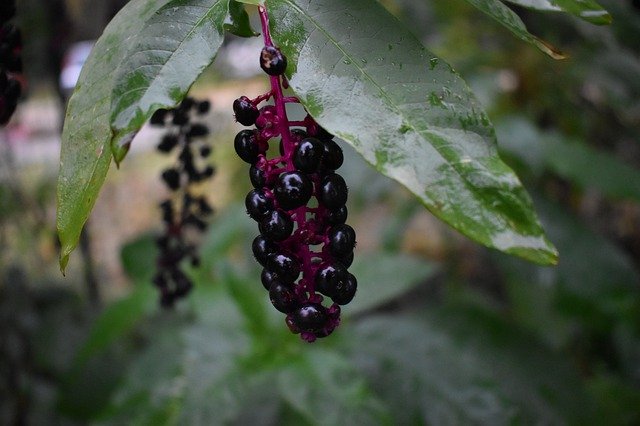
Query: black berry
(246, 146)
(277, 225)
(310, 317)
(342, 240)
(272, 61)
(308, 155)
(333, 191)
(292, 190)
(258, 204)
(246, 113)
(282, 297)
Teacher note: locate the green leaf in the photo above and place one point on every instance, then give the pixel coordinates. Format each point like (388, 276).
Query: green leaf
(365, 78)
(253, 2)
(508, 18)
(463, 366)
(166, 56)
(581, 164)
(85, 153)
(238, 21)
(588, 10)
(383, 277)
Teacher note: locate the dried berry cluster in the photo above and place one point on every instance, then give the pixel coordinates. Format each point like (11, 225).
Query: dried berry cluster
(10, 61)
(298, 201)
(185, 212)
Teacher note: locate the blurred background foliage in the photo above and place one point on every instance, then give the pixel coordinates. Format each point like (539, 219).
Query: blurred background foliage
(442, 331)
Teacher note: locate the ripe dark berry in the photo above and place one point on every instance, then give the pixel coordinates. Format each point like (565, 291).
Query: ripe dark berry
(272, 61)
(205, 151)
(345, 290)
(258, 204)
(180, 118)
(246, 146)
(308, 155)
(292, 190)
(345, 260)
(204, 107)
(158, 117)
(286, 267)
(262, 248)
(310, 317)
(258, 177)
(333, 156)
(329, 277)
(167, 143)
(282, 297)
(333, 191)
(197, 130)
(268, 278)
(337, 216)
(342, 240)
(246, 113)
(277, 225)
(172, 178)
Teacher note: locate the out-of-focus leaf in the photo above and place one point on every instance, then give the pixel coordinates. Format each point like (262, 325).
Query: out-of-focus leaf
(85, 153)
(238, 21)
(365, 78)
(460, 366)
(576, 162)
(594, 285)
(383, 277)
(253, 2)
(619, 401)
(588, 10)
(508, 18)
(166, 55)
(117, 319)
(138, 258)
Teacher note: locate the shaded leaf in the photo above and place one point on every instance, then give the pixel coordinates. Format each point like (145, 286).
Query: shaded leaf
(383, 277)
(253, 2)
(461, 366)
(588, 10)
(508, 18)
(238, 21)
(165, 57)
(85, 154)
(581, 164)
(366, 79)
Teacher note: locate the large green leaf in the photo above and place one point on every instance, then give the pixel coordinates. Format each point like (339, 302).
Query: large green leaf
(365, 78)
(508, 18)
(85, 154)
(463, 366)
(581, 164)
(588, 10)
(166, 56)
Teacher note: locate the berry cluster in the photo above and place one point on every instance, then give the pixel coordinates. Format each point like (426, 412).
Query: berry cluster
(185, 212)
(298, 201)
(10, 61)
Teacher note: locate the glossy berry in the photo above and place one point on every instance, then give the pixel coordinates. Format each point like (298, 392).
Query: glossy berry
(308, 155)
(346, 260)
(333, 191)
(257, 176)
(258, 204)
(329, 277)
(337, 216)
(333, 157)
(268, 278)
(286, 267)
(246, 113)
(262, 248)
(246, 146)
(277, 225)
(342, 240)
(310, 317)
(292, 190)
(272, 61)
(282, 297)
(345, 290)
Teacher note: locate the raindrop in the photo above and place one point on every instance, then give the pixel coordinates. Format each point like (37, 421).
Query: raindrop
(389, 46)
(364, 61)
(380, 59)
(433, 62)
(346, 61)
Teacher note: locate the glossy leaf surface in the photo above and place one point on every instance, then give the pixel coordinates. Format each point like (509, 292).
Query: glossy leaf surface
(85, 154)
(366, 79)
(588, 10)
(166, 56)
(508, 18)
